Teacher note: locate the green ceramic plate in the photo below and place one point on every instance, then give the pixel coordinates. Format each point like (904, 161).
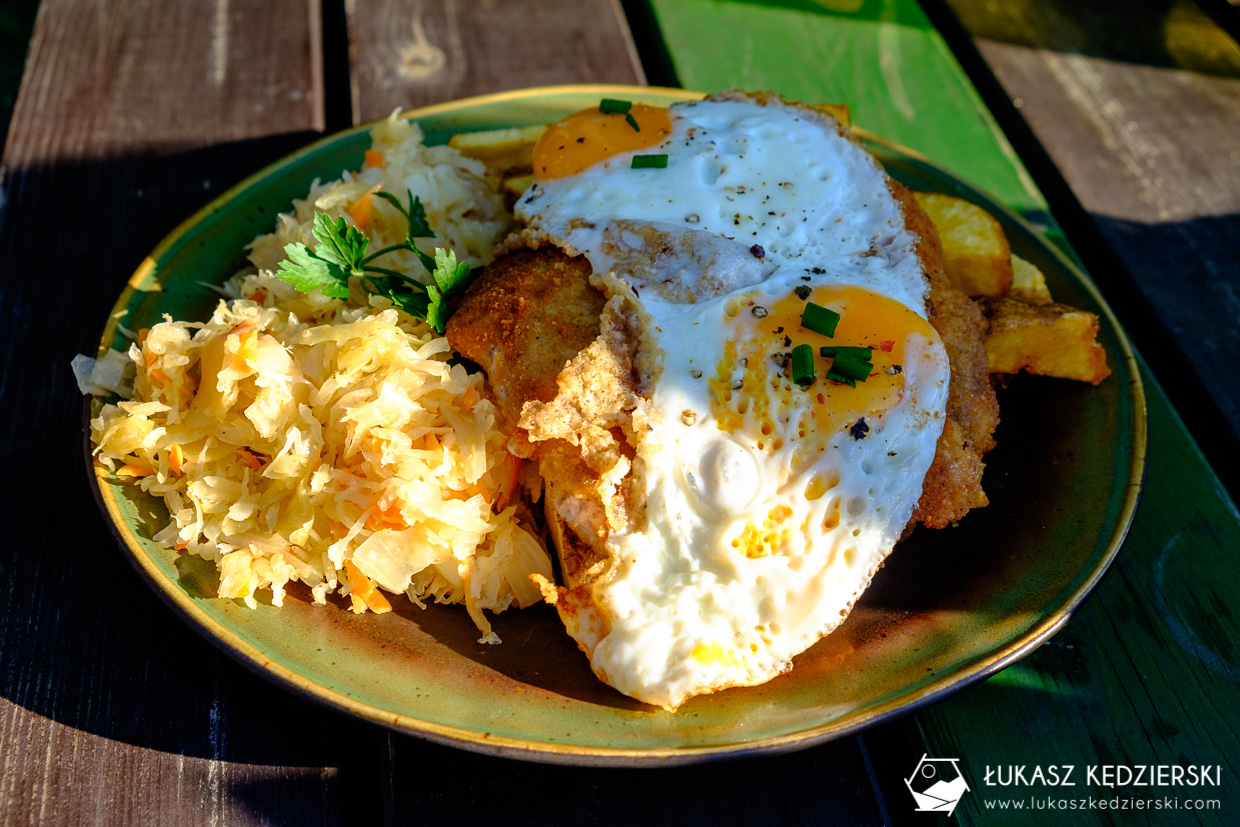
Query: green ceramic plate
(949, 608)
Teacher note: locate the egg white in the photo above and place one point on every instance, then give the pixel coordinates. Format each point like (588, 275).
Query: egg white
(755, 201)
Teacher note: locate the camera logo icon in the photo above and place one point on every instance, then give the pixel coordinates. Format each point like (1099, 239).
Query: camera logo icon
(937, 784)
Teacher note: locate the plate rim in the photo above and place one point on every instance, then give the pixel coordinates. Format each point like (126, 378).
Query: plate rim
(566, 753)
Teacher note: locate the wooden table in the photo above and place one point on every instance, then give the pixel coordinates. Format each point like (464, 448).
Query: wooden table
(1119, 127)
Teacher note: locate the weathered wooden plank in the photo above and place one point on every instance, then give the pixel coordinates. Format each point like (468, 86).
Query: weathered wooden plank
(109, 77)
(827, 786)
(131, 116)
(414, 52)
(1152, 153)
(54, 773)
(1136, 106)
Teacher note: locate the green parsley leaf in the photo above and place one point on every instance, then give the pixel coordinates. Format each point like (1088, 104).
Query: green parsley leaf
(437, 311)
(341, 253)
(307, 272)
(411, 298)
(340, 243)
(448, 274)
(414, 213)
(449, 277)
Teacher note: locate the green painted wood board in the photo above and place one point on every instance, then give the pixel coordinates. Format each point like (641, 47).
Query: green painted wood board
(884, 60)
(1145, 673)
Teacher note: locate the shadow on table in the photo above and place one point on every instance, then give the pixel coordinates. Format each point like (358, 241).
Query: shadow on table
(83, 641)
(1175, 288)
(1165, 33)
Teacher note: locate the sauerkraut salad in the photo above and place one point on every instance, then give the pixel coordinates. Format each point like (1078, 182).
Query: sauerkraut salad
(299, 438)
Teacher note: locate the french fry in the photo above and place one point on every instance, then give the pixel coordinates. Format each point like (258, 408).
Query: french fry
(838, 110)
(1028, 283)
(514, 186)
(976, 255)
(500, 149)
(1049, 339)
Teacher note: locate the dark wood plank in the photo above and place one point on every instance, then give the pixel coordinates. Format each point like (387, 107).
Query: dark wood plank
(827, 785)
(116, 76)
(131, 116)
(1137, 105)
(408, 53)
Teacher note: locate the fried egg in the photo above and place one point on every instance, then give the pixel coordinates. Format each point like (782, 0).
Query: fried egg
(770, 504)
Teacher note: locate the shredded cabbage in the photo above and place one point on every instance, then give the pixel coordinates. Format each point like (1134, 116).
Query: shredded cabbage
(299, 438)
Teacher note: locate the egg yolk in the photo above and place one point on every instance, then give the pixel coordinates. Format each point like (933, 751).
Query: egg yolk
(767, 406)
(584, 138)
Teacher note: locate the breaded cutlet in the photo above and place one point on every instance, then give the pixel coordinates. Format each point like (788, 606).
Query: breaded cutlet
(953, 485)
(522, 320)
(534, 310)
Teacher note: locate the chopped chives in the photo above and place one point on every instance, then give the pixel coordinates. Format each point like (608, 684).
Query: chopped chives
(819, 319)
(649, 162)
(841, 378)
(852, 367)
(836, 350)
(803, 364)
(611, 106)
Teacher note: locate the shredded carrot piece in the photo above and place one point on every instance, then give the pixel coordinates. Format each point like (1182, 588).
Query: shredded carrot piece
(142, 334)
(469, 397)
(150, 359)
(361, 211)
(374, 158)
(176, 460)
(362, 588)
(389, 517)
(259, 295)
(181, 546)
(377, 602)
(432, 444)
(510, 482)
(157, 376)
(250, 458)
(247, 351)
(134, 471)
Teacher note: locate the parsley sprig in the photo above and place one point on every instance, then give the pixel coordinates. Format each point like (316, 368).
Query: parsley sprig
(341, 254)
